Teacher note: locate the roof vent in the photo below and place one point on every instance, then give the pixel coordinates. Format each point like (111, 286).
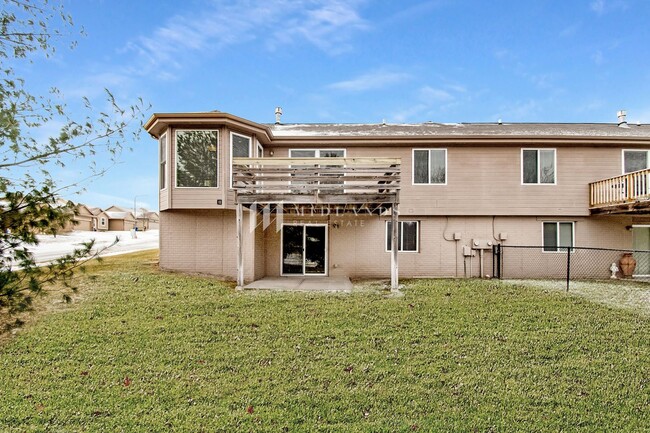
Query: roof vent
(278, 115)
(500, 122)
(621, 114)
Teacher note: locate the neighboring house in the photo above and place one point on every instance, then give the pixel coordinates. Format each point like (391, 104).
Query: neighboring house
(120, 220)
(247, 200)
(152, 218)
(100, 222)
(83, 219)
(147, 220)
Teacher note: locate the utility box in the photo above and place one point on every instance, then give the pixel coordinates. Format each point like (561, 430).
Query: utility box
(457, 236)
(503, 236)
(468, 251)
(481, 244)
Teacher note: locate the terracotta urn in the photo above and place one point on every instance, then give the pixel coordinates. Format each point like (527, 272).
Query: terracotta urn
(627, 264)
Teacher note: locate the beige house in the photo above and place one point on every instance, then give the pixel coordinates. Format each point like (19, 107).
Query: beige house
(82, 220)
(100, 222)
(246, 200)
(147, 220)
(120, 219)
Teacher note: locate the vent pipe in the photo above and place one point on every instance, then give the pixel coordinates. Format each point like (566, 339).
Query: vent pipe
(621, 114)
(278, 115)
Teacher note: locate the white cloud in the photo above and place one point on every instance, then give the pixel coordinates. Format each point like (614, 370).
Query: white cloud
(327, 24)
(602, 7)
(432, 102)
(598, 6)
(430, 94)
(370, 81)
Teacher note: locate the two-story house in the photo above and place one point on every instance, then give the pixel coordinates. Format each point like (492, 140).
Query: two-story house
(246, 200)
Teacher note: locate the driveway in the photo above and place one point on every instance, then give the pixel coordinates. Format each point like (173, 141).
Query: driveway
(52, 247)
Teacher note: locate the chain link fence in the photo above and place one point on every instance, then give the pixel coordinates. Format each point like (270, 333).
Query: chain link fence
(576, 263)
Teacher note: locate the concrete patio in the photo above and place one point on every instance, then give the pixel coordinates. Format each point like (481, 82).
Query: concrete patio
(302, 284)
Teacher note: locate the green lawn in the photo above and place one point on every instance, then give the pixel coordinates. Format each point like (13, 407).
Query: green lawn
(146, 351)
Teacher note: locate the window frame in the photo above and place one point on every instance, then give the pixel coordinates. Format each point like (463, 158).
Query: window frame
(538, 149)
(162, 162)
(176, 131)
(317, 152)
(623, 172)
(429, 183)
(400, 236)
(250, 150)
(560, 249)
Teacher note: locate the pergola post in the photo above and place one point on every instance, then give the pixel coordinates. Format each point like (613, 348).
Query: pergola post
(394, 279)
(240, 246)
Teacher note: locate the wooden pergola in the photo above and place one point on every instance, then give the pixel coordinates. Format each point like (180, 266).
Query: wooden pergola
(347, 185)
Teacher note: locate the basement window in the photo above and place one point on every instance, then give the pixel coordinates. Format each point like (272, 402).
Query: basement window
(407, 236)
(558, 236)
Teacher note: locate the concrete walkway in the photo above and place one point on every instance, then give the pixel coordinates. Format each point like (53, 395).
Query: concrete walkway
(302, 284)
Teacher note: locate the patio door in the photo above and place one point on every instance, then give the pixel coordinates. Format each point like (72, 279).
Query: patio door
(641, 242)
(304, 249)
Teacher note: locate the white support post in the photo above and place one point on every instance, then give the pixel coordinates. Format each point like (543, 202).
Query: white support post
(394, 279)
(240, 246)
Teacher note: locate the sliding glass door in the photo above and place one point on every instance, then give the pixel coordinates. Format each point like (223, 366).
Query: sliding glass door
(304, 249)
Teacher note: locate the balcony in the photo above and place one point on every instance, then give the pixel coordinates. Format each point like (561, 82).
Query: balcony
(624, 194)
(345, 183)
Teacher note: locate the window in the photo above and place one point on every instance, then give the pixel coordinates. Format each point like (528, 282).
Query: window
(196, 158)
(558, 236)
(240, 147)
(102, 221)
(538, 166)
(407, 236)
(429, 166)
(318, 153)
(634, 160)
(163, 161)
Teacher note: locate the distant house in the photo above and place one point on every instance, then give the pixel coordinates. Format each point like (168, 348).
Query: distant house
(120, 219)
(100, 219)
(147, 220)
(83, 219)
(154, 220)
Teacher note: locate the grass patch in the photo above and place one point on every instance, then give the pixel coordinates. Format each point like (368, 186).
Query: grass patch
(145, 351)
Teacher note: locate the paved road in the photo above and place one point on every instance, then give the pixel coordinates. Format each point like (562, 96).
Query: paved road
(53, 247)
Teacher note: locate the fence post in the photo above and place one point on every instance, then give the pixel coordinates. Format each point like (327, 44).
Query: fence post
(568, 267)
(496, 261)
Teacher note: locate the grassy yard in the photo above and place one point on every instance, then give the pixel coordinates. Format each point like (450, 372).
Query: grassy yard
(146, 351)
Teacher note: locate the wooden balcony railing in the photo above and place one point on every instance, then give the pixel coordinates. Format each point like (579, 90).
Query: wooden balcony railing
(620, 190)
(321, 180)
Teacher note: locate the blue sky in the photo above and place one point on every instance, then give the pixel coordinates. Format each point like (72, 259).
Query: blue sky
(352, 61)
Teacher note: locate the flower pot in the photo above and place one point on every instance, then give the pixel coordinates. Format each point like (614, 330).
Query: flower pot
(627, 265)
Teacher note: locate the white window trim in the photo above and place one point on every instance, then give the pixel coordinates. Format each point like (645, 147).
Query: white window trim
(429, 168)
(260, 150)
(633, 150)
(521, 160)
(559, 248)
(250, 150)
(166, 171)
(417, 237)
(176, 131)
(303, 225)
